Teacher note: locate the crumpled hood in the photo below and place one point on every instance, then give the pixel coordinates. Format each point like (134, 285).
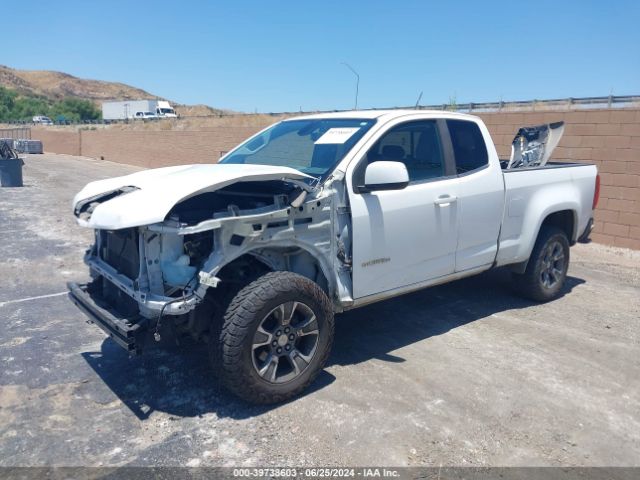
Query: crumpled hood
(156, 191)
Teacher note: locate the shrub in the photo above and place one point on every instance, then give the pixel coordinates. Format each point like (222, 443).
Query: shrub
(15, 107)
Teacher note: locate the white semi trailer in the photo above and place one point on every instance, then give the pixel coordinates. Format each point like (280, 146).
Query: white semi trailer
(129, 108)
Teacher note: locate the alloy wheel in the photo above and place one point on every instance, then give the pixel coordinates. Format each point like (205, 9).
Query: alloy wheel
(285, 342)
(553, 265)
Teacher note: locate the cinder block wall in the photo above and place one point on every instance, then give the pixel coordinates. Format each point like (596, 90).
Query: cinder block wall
(58, 141)
(610, 138)
(162, 148)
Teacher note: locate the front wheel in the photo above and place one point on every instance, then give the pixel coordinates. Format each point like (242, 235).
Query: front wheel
(275, 339)
(547, 268)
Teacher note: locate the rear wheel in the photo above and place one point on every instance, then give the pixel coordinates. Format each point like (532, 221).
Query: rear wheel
(276, 337)
(547, 268)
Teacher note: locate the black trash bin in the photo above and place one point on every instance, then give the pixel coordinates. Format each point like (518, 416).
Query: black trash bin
(11, 172)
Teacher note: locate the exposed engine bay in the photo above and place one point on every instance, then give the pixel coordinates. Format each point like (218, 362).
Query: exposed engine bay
(232, 199)
(213, 237)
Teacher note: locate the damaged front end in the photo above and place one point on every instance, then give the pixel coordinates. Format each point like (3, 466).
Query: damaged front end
(142, 274)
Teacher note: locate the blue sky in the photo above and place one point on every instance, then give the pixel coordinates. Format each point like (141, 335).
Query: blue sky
(273, 56)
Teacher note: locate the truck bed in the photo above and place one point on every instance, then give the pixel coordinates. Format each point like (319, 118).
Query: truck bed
(549, 165)
(530, 194)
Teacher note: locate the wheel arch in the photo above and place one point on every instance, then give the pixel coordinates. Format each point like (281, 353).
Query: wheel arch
(564, 219)
(295, 257)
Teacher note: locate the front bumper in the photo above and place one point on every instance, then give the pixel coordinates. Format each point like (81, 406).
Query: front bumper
(125, 331)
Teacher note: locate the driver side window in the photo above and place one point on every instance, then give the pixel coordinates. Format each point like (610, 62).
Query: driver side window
(417, 145)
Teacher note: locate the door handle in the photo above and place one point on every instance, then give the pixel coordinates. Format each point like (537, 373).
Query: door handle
(445, 200)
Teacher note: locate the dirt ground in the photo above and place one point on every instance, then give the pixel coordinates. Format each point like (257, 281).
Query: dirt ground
(462, 374)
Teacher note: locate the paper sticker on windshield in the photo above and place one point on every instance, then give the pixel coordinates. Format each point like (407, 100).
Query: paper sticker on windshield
(337, 135)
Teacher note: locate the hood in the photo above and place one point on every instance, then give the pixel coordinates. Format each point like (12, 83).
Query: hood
(533, 146)
(146, 197)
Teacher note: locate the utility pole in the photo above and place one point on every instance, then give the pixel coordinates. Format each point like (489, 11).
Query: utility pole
(357, 80)
(418, 101)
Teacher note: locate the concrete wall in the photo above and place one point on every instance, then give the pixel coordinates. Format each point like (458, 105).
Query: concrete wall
(609, 138)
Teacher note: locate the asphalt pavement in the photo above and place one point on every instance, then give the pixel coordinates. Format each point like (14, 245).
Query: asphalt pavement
(465, 374)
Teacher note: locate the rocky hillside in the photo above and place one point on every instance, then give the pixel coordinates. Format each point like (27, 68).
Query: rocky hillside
(58, 85)
(55, 86)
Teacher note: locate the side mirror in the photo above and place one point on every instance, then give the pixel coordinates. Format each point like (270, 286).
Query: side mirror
(385, 175)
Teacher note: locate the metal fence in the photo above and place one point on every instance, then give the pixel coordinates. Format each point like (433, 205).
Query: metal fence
(16, 133)
(619, 101)
(611, 101)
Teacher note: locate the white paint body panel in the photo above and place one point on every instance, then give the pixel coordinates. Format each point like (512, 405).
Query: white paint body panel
(161, 188)
(402, 237)
(531, 195)
(481, 204)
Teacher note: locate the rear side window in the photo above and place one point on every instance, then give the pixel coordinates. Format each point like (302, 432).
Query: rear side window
(468, 145)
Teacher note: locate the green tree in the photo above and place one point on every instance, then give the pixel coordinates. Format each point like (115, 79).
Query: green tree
(25, 107)
(7, 101)
(75, 109)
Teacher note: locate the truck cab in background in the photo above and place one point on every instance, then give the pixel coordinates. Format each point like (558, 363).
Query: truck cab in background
(165, 110)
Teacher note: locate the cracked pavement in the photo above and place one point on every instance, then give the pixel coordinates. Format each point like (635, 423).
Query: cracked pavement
(461, 374)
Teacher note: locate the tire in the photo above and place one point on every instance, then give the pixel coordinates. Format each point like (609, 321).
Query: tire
(275, 339)
(220, 299)
(547, 268)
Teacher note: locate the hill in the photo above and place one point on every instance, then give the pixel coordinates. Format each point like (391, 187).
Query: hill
(58, 85)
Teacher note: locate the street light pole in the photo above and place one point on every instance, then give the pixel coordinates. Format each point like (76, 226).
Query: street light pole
(357, 80)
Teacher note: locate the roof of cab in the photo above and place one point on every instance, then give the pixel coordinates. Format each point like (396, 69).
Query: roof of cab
(387, 114)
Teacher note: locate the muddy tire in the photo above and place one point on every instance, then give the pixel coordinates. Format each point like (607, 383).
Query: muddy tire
(546, 271)
(275, 339)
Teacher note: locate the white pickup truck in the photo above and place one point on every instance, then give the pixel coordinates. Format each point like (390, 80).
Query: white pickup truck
(316, 215)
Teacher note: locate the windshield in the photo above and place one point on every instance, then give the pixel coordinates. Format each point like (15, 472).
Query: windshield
(167, 110)
(312, 146)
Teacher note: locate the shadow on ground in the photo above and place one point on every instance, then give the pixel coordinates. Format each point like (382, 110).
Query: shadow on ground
(177, 380)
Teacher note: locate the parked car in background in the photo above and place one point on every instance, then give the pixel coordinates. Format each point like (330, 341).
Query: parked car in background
(146, 116)
(42, 120)
(317, 215)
